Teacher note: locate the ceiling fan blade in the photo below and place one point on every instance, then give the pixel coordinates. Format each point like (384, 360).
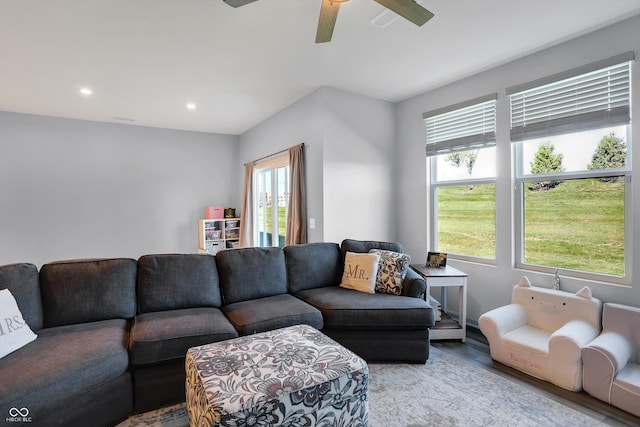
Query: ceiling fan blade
(238, 3)
(328, 16)
(408, 9)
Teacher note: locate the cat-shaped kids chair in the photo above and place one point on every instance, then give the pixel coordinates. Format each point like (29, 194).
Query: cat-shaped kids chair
(542, 332)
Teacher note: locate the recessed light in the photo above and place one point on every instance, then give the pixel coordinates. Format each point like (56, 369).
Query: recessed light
(191, 106)
(86, 91)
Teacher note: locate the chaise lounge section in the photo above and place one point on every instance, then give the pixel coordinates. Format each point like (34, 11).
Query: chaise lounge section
(378, 327)
(77, 371)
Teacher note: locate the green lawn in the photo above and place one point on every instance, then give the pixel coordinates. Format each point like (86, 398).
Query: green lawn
(282, 220)
(466, 220)
(577, 225)
(282, 224)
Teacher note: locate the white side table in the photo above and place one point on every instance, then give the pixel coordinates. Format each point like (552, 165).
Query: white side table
(446, 277)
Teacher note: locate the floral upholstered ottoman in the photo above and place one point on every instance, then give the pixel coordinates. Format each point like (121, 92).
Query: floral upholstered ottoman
(294, 376)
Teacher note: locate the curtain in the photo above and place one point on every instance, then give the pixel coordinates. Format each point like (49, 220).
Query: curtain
(246, 218)
(297, 215)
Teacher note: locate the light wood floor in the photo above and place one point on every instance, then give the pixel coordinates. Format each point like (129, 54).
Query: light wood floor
(476, 351)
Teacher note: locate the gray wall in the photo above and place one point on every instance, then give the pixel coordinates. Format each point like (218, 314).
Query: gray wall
(359, 156)
(76, 189)
(349, 157)
(490, 285)
(301, 122)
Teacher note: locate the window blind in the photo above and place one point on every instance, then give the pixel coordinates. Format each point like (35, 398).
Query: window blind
(462, 127)
(561, 104)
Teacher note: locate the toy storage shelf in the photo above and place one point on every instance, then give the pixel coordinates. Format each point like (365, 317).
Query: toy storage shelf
(217, 234)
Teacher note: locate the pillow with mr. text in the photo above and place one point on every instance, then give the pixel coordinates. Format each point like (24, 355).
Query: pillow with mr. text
(360, 272)
(392, 270)
(14, 331)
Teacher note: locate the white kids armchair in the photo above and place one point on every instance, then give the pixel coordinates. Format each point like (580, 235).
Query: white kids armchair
(542, 332)
(611, 361)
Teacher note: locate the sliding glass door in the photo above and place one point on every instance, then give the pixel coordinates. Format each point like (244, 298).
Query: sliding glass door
(271, 180)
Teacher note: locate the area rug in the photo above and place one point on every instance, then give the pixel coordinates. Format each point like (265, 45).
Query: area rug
(446, 391)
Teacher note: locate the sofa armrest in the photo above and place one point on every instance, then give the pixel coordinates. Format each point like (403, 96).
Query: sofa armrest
(566, 343)
(413, 285)
(496, 323)
(602, 359)
(576, 333)
(565, 353)
(614, 347)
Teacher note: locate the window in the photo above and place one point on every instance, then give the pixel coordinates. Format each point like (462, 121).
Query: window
(271, 183)
(461, 174)
(571, 135)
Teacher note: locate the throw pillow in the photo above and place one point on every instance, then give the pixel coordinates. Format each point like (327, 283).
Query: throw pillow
(14, 331)
(360, 272)
(391, 271)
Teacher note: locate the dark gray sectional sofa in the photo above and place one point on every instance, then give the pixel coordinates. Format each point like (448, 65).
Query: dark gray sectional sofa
(113, 333)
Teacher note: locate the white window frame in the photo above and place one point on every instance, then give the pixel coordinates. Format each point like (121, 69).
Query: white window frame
(605, 115)
(445, 135)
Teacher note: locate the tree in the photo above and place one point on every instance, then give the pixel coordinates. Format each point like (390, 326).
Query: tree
(467, 158)
(546, 161)
(610, 154)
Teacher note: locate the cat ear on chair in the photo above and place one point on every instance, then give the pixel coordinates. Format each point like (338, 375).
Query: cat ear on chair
(524, 282)
(585, 293)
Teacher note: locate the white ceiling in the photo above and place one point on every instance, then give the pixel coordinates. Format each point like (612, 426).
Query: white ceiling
(145, 59)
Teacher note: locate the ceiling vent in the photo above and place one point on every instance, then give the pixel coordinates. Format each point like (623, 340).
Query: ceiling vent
(387, 17)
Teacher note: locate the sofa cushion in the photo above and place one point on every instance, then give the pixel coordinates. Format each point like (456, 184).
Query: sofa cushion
(63, 361)
(526, 349)
(79, 291)
(166, 335)
(392, 270)
(175, 281)
(347, 309)
(312, 265)
(14, 331)
(23, 283)
(526, 339)
(250, 273)
(265, 314)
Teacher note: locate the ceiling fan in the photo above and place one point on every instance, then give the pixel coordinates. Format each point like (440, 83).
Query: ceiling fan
(408, 9)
